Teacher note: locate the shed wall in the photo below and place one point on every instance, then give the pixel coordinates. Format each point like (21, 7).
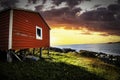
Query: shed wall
(24, 30)
(4, 29)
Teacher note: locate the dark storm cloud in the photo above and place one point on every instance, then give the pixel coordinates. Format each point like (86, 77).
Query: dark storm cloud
(61, 16)
(32, 1)
(96, 6)
(70, 3)
(114, 7)
(8, 3)
(99, 20)
(103, 20)
(118, 1)
(38, 8)
(35, 1)
(101, 14)
(110, 27)
(44, 1)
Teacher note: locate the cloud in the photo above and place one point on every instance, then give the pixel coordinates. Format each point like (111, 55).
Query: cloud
(59, 3)
(61, 16)
(32, 1)
(118, 1)
(8, 3)
(70, 3)
(114, 7)
(35, 1)
(103, 20)
(111, 28)
(99, 20)
(39, 8)
(96, 6)
(101, 14)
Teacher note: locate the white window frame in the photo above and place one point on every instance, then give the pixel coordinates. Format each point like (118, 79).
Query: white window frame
(39, 37)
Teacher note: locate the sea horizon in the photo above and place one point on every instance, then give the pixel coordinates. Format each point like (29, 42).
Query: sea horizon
(108, 48)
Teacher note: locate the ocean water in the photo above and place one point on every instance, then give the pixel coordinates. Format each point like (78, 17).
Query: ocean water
(113, 49)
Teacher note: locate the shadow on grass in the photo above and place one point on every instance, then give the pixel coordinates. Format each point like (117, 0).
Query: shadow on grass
(44, 70)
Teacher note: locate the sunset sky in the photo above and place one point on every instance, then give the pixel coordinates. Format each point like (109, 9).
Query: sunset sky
(76, 21)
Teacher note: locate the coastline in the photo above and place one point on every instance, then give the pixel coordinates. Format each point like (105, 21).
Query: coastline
(112, 49)
(107, 58)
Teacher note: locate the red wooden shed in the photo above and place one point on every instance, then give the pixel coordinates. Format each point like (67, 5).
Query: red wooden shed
(21, 29)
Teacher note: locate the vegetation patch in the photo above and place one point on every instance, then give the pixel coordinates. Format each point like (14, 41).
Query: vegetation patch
(60, 66)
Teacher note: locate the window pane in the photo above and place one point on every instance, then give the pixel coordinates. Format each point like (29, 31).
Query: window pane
(39, 32)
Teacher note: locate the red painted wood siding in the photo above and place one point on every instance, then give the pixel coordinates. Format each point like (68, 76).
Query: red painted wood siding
(4, 29)
(24, 30)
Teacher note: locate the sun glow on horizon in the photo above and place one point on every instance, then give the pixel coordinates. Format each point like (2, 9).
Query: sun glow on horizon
(61, 36)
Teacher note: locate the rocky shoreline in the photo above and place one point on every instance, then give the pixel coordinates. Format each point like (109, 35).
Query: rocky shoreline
(107, 58)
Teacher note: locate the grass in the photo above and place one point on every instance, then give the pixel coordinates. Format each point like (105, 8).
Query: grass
(60, 66)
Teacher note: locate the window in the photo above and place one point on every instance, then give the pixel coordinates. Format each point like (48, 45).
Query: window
(38, 33)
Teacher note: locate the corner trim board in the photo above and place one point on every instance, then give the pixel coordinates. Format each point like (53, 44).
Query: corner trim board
(10, 30)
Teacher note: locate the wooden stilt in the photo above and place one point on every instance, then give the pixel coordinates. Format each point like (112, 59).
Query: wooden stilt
(23, 54)
(33, 51)
(40, 53)
(48, 52)
(9, 56)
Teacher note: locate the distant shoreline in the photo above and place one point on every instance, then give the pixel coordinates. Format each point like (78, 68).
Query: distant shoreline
(113, 49)
(87, 43)
(113, 42)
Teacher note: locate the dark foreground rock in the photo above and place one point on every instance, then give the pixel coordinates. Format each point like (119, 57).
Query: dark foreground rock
(64, 50)
(107, 58)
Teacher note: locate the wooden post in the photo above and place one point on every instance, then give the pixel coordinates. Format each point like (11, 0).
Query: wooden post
(40, 53)
(9, 56)
(33, 51)
(48, 52)
(23, 54)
